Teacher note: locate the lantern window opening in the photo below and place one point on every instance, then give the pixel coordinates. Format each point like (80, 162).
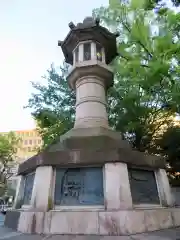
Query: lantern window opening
(87, 51)
(76, 54)
(99, 52)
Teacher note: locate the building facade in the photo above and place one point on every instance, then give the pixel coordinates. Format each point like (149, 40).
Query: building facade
(30, 143)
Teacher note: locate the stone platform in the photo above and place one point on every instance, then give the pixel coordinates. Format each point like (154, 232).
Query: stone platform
(90, 146)
(97, 222)
(167, 234)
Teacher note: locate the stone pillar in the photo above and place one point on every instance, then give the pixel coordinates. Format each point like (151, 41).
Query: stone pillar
(19, 193)
(103, 56)
(117, 186)
(93, 51)
(164, 188)
(90, 103)
(81, 52)
(42, 189)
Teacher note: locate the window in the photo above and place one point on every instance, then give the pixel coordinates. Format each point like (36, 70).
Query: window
(79, 186)
(30, 142)
(143, 187)
(28, 186)
(76, 54)
(87, 51)
(99, 52)
(25, 142)
(39, 141)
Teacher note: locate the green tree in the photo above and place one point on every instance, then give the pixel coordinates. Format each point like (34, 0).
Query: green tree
(53, 105)
(146, 71)
(8, 148)
(169, 147)
(156, 4)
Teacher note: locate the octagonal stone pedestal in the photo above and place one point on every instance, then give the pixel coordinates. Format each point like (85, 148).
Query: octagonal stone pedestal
(118, 215)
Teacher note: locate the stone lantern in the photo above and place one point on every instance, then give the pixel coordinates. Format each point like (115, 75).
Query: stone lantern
(91, 181)
(89, 48)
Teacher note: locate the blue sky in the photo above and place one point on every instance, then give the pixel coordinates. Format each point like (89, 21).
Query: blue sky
(29, 32)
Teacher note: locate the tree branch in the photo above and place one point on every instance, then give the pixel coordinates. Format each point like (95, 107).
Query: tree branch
(140, 43)
(127, 59)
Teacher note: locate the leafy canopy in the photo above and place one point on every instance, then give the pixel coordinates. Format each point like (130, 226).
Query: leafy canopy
(146, 71)
(8, 149)
(53, 105)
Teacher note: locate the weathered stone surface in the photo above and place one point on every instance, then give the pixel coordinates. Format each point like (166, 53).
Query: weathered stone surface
(93, 138)
(42, 188)
(165, 234)
(176, 216)
(74, 223)
(117, 196)
(47, 222)
(121, 222)
(31, 222)
(92, 67)
(158, 219)
(38, 219)
(25, 222)
(167, 198)
(83, 147)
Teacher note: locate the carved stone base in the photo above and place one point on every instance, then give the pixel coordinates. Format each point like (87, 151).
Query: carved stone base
(96, 222)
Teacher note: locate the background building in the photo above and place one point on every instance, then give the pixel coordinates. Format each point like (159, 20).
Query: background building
(30, 143)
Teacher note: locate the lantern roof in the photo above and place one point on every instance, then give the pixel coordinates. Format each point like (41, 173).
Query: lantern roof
(89, 29)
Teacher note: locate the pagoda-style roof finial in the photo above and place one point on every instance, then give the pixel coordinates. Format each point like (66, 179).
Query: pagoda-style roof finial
(71, 25)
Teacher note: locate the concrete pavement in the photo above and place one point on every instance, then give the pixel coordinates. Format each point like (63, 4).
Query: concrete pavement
(168, 234)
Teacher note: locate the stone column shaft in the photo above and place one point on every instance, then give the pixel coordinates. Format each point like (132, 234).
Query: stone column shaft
(19, 193)
(117, 187)
(42, 189)
(164, 188)
(90, 103)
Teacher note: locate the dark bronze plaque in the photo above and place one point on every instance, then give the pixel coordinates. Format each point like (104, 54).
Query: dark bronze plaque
(79, 186)
(143, 187)
(29, 181)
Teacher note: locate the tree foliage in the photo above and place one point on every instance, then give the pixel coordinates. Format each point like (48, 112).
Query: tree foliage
(8, 149)
(169, 146)
(145, 95)
(53, 105)
(146, 71)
